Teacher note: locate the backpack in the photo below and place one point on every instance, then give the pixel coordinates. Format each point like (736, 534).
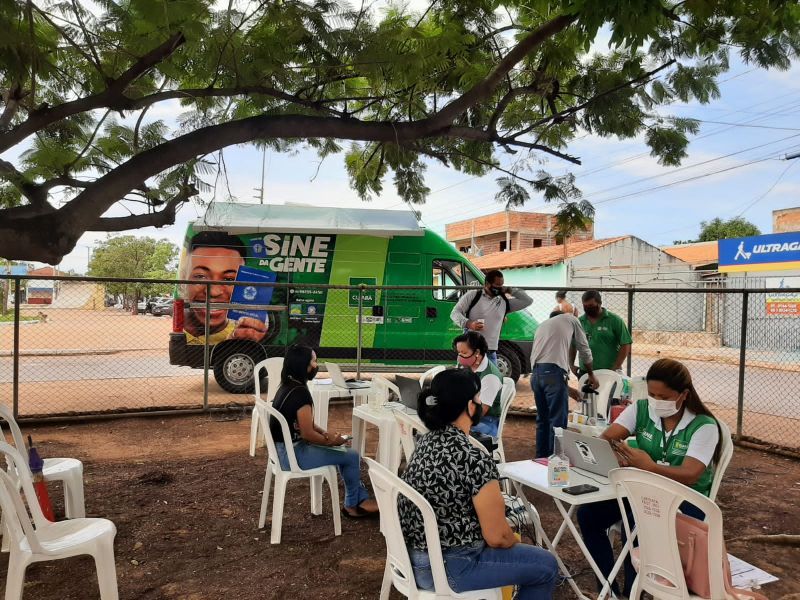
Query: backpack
(477, 297)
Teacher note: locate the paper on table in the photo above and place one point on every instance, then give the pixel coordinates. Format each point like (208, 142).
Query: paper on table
(327, 381)
(747, 576)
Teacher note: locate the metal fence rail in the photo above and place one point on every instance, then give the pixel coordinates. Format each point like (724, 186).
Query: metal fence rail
(87, 353)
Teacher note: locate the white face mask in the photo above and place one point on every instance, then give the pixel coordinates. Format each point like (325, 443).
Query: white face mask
(663, 408)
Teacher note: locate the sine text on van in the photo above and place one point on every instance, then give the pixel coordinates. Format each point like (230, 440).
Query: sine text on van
(306, 247)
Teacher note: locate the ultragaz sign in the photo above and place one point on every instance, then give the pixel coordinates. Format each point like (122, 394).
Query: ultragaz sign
(773, 252)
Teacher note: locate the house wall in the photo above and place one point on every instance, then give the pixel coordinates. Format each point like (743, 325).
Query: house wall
(543, 301)
(633, 262)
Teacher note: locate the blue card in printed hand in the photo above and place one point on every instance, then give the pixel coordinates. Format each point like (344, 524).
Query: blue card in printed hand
(252, 294)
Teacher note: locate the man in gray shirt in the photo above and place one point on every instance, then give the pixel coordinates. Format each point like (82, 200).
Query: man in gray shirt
(549, 373)
(489, 308)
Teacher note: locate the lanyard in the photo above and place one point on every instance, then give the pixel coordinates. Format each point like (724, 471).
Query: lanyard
(666, 441)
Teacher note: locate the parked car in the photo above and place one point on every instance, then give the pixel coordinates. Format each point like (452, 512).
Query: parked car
(162, 307)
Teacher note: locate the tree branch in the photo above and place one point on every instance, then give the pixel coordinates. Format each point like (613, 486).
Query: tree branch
(641, 80)
(12, 99)
(166, 216)
(484, 89)
(43, 117)
(145, 101)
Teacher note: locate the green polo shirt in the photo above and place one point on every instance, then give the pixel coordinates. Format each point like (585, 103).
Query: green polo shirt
(671, 448)
(605, 337)
(491, 370)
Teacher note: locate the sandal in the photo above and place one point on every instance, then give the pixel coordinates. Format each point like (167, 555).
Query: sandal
(358, 513)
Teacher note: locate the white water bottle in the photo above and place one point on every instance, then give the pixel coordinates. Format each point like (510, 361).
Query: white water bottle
(558, 463)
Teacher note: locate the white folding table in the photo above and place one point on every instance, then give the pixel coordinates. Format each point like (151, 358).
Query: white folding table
(534, 475)
(382, 417)
(321, 393)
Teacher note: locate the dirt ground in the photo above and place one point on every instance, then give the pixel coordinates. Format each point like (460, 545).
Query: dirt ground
(185, 497)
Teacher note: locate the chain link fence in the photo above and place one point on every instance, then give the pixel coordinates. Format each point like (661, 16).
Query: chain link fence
(76, 348)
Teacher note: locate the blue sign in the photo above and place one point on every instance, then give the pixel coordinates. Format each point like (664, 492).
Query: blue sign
(773, 252)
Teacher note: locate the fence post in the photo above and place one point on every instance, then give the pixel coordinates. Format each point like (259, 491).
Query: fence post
(360, 327)
(630, 329)
(742, 360)
(206, 354)
(15, 376)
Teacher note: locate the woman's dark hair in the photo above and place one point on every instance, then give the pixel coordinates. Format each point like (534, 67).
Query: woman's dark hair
(561, 294)
(555, 313)
(676, 376)
(295, 365)
(447, 397)
(474, 340)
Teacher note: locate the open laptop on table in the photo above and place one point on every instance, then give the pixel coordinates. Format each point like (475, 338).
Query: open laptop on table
(589, 453)
(339, 381)
(409, 392)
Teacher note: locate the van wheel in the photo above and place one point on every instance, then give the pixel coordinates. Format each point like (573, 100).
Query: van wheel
(233, 369)
(508, 361)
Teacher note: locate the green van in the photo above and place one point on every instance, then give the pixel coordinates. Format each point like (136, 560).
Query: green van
(306, 246)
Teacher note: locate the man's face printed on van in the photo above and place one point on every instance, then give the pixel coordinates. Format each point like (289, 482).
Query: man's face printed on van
(212, 264)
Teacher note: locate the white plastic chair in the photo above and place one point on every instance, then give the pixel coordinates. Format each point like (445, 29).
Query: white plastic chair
(507, 394)
(69, 471)
(379, 394)
(42, 540)
(265, 411)
(725, 455)
(407, 427)
(610, 387)
(430, 374)
(655, 501)
(399, 572)
(274, 366)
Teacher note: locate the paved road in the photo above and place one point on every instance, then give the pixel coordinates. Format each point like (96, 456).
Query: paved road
(766, 391)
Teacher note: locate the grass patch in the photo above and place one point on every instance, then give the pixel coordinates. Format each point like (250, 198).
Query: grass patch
(9, 317)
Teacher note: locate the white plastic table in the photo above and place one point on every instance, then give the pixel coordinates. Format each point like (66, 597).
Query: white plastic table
(321, 393)
(534, 475)
(382, 417)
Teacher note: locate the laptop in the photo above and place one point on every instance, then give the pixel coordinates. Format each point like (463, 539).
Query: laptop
(589, 453)
(409, 392)
(338, 379)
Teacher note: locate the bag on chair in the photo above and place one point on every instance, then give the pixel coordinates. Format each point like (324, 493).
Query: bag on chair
(692, 537)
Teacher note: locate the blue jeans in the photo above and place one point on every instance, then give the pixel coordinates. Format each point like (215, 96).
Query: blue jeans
(488, 426)
(549, 385)
(534, 570)
(348, 462)
(594, 520)
(492, 356)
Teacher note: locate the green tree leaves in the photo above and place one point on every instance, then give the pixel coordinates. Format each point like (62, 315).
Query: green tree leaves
(718, 229)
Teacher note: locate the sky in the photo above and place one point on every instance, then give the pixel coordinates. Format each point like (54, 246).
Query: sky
(735, 166)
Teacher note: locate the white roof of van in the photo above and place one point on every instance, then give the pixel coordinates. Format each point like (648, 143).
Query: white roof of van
(236, 218)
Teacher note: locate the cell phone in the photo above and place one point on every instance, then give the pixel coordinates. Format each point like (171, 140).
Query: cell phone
(347, 437)
(577, 490)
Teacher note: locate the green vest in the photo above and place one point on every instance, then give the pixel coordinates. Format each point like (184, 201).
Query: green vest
(651, 439)
(491, 369)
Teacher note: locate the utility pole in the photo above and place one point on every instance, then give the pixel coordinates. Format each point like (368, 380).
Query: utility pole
(263, 175)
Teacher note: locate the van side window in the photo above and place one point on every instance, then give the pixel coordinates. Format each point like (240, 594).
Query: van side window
(447, 273)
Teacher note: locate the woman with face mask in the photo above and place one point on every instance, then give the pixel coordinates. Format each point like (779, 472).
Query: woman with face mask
(313, 446)
(676, 436)
(472, 351)
(460, 482)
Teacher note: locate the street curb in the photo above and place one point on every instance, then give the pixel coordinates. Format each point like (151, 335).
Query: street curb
(727, 360)
(75, 352)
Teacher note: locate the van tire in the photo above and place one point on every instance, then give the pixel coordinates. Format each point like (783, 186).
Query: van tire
(234, 364)
(508, 361)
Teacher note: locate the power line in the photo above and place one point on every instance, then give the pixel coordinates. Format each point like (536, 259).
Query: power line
(772, 187)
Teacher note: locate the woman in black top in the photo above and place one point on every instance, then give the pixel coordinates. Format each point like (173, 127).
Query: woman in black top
(460, 482)
(313, 446)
